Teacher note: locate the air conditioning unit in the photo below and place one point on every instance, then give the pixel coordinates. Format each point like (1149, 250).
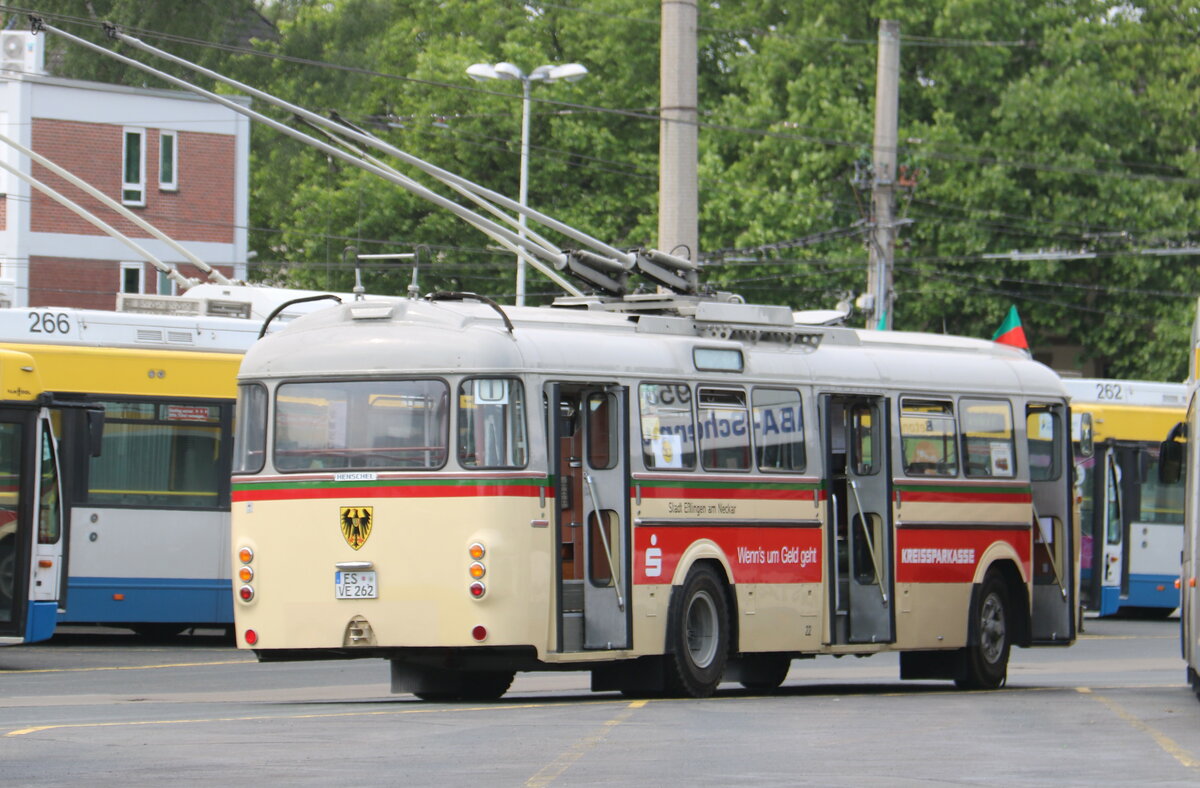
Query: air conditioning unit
(22, 52)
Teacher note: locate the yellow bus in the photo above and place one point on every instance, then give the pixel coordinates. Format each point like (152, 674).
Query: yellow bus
(1132, 524)
(149, 514)
(667, 493)
(149, 507)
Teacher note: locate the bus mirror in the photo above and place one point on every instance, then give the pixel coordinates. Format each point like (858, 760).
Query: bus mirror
(1170, 455)
(95, 432)
(1086, 445)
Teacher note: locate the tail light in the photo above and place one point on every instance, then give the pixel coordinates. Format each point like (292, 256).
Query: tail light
(246, 574)
(477, 570)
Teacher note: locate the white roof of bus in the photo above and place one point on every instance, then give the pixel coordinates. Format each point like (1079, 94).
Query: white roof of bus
(448, 337)
(110, 328)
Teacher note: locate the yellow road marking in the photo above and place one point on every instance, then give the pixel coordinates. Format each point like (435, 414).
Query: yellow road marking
(553, 770)
(135, 667)
(1167, 743)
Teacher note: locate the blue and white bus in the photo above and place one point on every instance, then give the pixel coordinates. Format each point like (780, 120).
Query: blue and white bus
(1131, 522)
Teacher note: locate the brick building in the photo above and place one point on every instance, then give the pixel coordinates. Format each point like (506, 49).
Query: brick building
(179, 161)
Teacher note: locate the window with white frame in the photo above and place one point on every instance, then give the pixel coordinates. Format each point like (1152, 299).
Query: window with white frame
(132, 278)
(133, 167)
(168, 161)
(166, 286)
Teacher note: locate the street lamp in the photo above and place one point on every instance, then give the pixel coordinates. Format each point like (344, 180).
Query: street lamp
(567, 72)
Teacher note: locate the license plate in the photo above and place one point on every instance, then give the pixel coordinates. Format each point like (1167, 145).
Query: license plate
(355, 585)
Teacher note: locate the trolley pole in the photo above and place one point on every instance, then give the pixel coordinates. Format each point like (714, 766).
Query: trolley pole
(678, 228)
(887, 111)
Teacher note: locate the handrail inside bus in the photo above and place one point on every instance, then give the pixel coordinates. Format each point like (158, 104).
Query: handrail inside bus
(864, 518)
(598, 513)
(1062, 587)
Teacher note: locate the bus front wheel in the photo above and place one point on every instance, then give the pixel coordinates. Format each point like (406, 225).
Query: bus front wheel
(698, 634)
(986, 656)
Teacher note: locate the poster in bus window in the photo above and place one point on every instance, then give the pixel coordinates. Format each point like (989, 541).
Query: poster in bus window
(668, 451)
(1002, 464)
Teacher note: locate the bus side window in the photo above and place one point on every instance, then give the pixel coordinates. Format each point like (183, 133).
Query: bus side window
(928, 438)
(724, 433)
(987, 435)
(668, 429)
(778, 430)
(1044, 436)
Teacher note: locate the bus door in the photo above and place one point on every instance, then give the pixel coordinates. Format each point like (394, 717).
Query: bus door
(1108, 545)
(31, 539)
(1129, 462)
(858, 481)
(588, 444)
(15, 551)
(1054, 563)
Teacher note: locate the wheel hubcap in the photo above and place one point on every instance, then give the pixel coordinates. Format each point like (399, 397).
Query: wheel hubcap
(701, 621)
(991, 628)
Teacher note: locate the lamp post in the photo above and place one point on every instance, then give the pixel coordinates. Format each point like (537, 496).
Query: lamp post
(567, 72)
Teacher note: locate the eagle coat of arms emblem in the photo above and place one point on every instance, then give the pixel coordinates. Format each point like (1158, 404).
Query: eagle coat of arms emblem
(356, 524)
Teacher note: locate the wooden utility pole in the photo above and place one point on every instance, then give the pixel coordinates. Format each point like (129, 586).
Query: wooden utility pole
(678, 228)
(883, 236)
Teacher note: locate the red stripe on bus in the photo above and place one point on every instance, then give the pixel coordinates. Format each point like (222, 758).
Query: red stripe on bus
(931, 496)
(952, 555)
(755, 555)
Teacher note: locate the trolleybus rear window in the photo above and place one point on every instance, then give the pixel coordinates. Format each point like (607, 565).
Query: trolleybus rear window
(401, 424)
(250, 424)
(491, 424)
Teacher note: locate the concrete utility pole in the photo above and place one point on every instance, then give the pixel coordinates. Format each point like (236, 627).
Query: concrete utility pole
(887, 111)
(678, 229)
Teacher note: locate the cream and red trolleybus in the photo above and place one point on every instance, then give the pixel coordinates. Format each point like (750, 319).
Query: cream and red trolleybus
(666, 491)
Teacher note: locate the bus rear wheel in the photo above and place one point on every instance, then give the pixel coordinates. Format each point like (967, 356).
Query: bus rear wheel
(698, 634)
(986, 656)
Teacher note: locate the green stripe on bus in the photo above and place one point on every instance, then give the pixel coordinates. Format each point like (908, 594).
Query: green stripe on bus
(317, 484)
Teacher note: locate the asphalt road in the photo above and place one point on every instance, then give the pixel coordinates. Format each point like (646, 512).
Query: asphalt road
(106, 708)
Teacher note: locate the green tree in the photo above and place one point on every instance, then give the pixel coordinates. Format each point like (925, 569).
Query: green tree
(1024, 125)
